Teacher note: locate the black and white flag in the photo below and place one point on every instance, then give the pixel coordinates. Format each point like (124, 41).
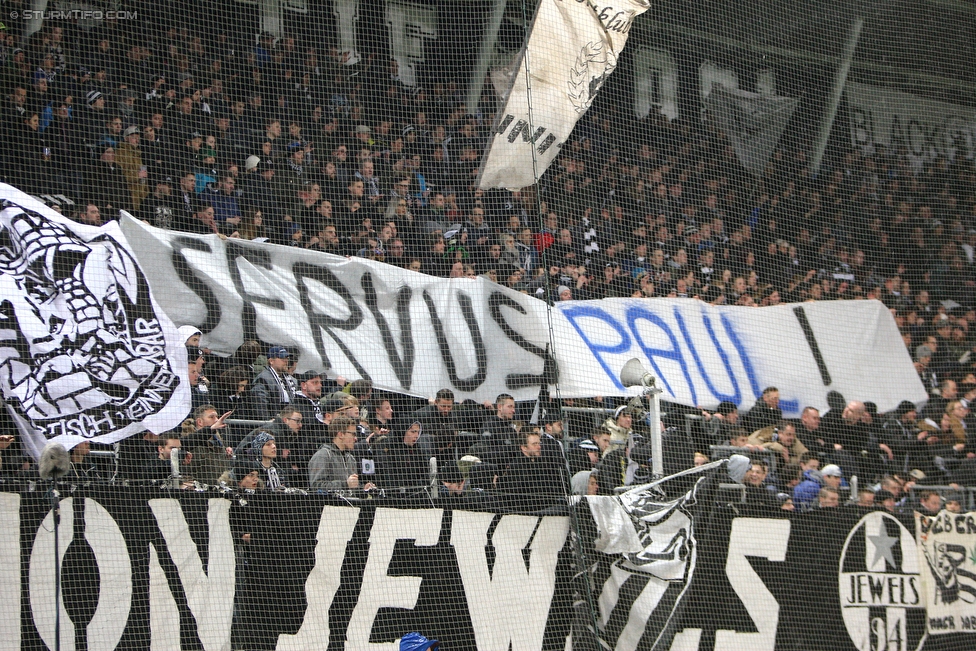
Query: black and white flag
(572, 49)
(648, 552)
(753, 122)
(85, 354)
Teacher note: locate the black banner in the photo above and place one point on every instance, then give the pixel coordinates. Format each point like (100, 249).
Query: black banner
(145, 567)
(196, 571)
(839, 579)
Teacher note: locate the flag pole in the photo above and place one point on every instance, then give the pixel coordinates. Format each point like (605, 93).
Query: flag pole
(840, 80)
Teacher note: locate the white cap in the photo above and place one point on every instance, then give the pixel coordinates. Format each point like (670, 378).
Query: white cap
(831, 470)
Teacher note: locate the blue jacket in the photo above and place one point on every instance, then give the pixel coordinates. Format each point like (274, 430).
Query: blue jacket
(224, 207)
(806, 492)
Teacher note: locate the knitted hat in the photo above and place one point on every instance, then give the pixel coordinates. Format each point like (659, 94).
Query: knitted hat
(259, 441)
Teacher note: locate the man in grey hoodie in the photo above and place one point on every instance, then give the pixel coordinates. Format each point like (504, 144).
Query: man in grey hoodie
(333, 467)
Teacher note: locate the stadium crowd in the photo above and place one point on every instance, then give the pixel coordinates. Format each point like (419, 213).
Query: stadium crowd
(279, 139)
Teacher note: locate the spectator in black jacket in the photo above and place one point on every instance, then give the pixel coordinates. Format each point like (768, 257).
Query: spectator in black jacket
(438, 420)
(528, 473)
(500, 433)
(402, 463)
(160, 468)
(765, 412)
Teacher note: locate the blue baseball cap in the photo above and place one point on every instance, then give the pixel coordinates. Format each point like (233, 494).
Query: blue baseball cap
(417, 642)
(278, 351)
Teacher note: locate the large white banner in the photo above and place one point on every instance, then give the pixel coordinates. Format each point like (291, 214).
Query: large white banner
(85, 355)
(703, 354)
(572, 49)
(925, 127)
(947, 542)
(416, 334)
(406, 331)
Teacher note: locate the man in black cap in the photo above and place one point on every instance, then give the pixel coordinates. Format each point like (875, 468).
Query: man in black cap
(886, 500)
(584, 456)
(451, 482)
(900, 433)
(270, 391)
(160, 208)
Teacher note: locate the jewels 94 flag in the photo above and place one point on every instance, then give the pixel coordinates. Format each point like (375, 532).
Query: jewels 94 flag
(572, 49)
(85, 353)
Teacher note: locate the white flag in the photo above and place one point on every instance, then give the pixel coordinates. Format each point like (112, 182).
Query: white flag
(85, 353)
(572, 49)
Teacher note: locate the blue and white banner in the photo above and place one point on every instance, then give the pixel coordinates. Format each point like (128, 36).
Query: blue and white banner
(415, 334)
(703, 354)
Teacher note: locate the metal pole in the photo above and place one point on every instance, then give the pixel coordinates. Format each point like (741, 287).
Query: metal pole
(56, 499)
(657, 448)
(840, 80)
(477, 80)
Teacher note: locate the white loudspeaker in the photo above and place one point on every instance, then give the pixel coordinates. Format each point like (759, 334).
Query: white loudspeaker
(633, 374)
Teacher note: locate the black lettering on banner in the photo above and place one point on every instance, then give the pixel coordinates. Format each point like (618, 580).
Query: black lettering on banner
(901, 134)
(504, 123)
(260, 258)
(319, 321)
(550, 370)
(195, 283)
(476, 380)
(402, 366)
(801, 316)
(189, 633)
(522, 127)
(546, 144)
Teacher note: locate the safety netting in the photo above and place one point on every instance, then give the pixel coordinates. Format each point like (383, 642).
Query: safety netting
(487, 324)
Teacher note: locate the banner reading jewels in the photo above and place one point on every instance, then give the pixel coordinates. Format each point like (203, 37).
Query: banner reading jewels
(947, 543)
(167, 569)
